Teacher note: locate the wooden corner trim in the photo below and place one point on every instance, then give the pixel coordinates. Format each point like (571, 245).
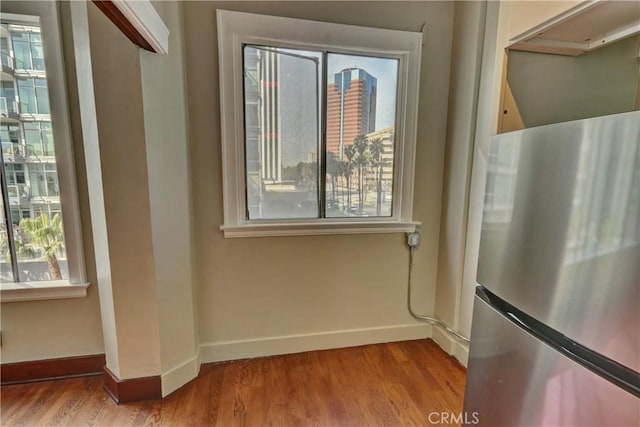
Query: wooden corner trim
(49, 369)
(116, 16)
(131, 390)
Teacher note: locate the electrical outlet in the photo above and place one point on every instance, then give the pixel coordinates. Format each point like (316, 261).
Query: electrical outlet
(413, 239)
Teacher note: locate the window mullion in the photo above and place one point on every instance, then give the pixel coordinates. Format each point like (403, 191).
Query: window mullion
(7, 216)
(322, 163)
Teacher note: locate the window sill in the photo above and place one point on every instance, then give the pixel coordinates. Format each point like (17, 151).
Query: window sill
(317, 228)
(36, 291)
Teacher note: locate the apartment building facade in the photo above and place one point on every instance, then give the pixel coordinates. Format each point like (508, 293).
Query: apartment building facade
(28, 150)
(30, 186)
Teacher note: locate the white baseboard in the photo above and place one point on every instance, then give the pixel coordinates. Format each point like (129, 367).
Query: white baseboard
(178, 376)
(242, 349)
(451, 345)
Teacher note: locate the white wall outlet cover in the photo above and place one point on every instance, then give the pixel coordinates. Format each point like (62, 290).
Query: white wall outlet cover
(413, 239)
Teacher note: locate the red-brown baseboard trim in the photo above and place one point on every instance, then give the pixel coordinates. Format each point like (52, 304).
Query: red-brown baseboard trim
(132, 390)
(50, 369)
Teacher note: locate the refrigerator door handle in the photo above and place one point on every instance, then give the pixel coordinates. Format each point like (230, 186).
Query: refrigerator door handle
(608, 369)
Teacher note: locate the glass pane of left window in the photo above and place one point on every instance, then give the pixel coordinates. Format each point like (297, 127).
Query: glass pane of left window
(282, 132)
(31, 215)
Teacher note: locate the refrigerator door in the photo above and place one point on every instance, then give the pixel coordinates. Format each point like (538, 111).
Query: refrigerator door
(561, 229)
(516, 380)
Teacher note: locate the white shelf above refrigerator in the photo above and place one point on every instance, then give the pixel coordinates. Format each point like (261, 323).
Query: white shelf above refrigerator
(581, 29)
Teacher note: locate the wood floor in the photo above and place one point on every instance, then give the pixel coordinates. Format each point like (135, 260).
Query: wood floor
(395, 384)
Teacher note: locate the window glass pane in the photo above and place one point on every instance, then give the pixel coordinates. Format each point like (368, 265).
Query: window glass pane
(6, 272)
(47, 140)
(11, 177)
(15, 216)
(43, 100)
(14, 134)
(10, 133)
(52, 184)
(20, 177)
(10, 138)
(8, 92)
(32, 139)
(27, 95)
(37, 56)
(361, 111)
(37, 180)
(282, 132)
(22, 54)
(5, 57)
(19, 36)
(38, 234)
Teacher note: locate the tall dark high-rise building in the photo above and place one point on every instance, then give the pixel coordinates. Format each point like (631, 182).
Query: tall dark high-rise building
(351, 108)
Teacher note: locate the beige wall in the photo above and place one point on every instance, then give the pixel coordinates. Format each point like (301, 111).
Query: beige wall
(555, 88)
(521, 16)
(308, 289)
(37, 330)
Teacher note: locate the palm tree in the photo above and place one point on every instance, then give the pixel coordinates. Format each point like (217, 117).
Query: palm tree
(350, 154)
(343, 173)
(46, 234)
(23, 250)
(362, 160)
(332, 169)
(377, 150)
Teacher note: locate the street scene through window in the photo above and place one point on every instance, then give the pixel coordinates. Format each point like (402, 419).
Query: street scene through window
(31, 235)
(319, 133)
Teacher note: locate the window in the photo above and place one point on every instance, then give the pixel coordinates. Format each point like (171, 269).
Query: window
(38, 138)
(318, 126)
(34, 95)
(8, 94)
(27, 47)
(39, 221)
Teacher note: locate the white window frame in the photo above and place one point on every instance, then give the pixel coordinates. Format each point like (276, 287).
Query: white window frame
(236, 29)
(76, 285)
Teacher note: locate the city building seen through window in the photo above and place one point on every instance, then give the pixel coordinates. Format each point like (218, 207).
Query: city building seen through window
(31, 233)
(319, 133)
(318, 126)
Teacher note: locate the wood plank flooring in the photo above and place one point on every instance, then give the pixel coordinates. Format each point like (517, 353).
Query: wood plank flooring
(394, 384)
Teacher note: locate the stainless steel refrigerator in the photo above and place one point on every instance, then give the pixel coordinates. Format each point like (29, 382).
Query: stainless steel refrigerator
(555, 338)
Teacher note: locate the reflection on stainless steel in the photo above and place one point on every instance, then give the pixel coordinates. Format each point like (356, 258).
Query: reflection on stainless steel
(568, 251)
(560, 243)
(500, 188)
(514, 380)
